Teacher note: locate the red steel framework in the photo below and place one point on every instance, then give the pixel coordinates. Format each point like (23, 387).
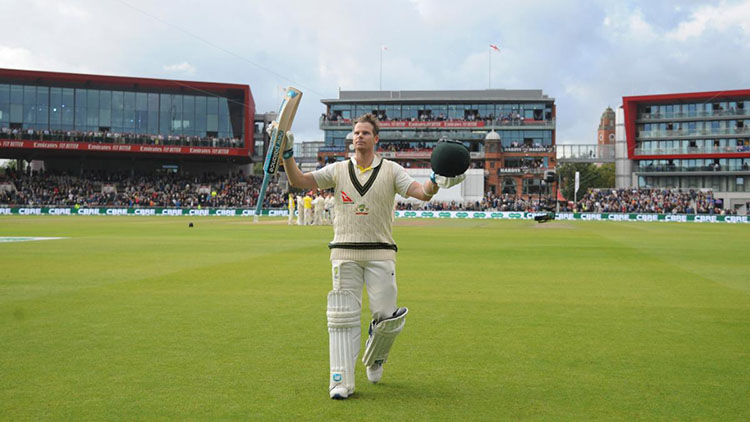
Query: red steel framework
(165, 86)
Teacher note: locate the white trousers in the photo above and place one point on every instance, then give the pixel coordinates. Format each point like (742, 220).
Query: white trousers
(344, 344)
(378, 276)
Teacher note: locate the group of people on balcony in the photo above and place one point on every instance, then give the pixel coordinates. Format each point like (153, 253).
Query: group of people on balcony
(109, 137)
(511, 118)
(521, 147)
(404, 146)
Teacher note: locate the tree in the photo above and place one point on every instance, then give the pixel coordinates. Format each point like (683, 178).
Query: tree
(590, 177)
(6, 165)
(606, 175)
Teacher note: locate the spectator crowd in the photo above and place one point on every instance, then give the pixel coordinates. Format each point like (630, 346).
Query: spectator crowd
(490, 202)
(639, 201)
(119, 190)
(100, 189)
(654, 201)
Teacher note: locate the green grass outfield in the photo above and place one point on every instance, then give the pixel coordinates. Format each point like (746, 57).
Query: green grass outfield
(142, 318)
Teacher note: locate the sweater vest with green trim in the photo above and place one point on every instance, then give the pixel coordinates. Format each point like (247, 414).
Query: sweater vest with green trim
(363, 218)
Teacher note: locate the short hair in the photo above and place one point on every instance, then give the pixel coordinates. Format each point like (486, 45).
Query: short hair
(371, 119)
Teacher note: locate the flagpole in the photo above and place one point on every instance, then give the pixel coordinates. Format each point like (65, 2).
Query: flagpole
(381, 67)
(489, 74)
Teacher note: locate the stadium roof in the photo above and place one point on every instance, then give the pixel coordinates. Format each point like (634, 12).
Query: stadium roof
(486, 95)
(117, 82)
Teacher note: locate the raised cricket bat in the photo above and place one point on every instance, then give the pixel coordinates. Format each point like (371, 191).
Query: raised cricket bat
(276, 145)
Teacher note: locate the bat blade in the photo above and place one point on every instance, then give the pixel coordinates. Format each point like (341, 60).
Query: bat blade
(280, 127)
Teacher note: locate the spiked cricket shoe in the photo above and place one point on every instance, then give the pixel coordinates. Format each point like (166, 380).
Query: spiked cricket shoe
(374, 372)
(339, 392)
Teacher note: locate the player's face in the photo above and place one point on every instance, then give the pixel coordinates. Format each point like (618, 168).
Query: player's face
(364, 139)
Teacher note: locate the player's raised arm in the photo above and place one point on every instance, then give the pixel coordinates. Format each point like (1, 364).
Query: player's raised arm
(296, 177)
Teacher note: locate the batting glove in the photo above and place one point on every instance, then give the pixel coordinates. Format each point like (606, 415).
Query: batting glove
(289, 142)
(289, 145)
(446, 182)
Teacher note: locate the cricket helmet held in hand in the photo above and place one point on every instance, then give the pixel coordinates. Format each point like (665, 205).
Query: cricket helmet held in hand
(450, 158)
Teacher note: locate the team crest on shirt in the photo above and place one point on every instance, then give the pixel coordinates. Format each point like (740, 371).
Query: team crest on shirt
(345, 198)
(361, 210)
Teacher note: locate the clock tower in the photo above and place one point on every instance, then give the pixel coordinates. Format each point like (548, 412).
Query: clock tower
(606, 132)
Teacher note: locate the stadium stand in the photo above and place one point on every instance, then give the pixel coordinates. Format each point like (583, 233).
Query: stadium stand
(116, 189)
(210, 190)
(656, 201)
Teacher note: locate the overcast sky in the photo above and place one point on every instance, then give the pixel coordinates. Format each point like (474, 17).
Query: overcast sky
(586, 55)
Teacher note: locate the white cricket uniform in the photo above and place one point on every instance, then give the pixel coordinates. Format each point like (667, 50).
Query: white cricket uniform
(363, 252)
(329, 203)
(300, 212)
(318, 208)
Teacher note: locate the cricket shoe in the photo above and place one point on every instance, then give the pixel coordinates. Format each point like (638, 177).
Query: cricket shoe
(375, 372)
(339, 392)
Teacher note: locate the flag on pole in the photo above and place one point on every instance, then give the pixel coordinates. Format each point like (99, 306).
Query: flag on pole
(560, 197)
(578, 181)
(494, 47)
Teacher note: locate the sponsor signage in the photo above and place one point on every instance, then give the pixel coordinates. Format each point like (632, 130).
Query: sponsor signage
(450, 124)
(120, 148)
(486, 215)
(222, 212)
(518, 215)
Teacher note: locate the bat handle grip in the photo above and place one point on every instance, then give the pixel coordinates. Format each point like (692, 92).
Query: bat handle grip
(262, 195)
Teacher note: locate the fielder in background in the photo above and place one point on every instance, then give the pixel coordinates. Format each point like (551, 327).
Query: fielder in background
(300, 211)
(363, 252)
(329, 203)
(291, 209)
(308, 209)
(318, 210)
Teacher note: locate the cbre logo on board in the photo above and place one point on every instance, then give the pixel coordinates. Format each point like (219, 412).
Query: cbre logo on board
(497, 215)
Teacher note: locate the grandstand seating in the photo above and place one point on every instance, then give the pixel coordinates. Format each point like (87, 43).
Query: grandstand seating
(96, 189)
(239, 191)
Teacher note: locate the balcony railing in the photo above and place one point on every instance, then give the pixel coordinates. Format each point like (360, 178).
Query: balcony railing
(526, 149)
(120, 138)
(444, 124)
(585, 152)
(520, 170)
(421, 154)
(709, 168)
(680, 133)
(389, 135)
(691, 150)
(687, 115)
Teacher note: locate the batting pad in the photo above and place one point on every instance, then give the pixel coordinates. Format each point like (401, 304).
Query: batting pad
(382, 335)
(343, 336)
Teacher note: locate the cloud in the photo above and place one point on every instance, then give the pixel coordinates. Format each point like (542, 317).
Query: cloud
(16, 57)
(586, 57)
(722, 18)
(23, 58)
(184, 68)
(72, 11)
